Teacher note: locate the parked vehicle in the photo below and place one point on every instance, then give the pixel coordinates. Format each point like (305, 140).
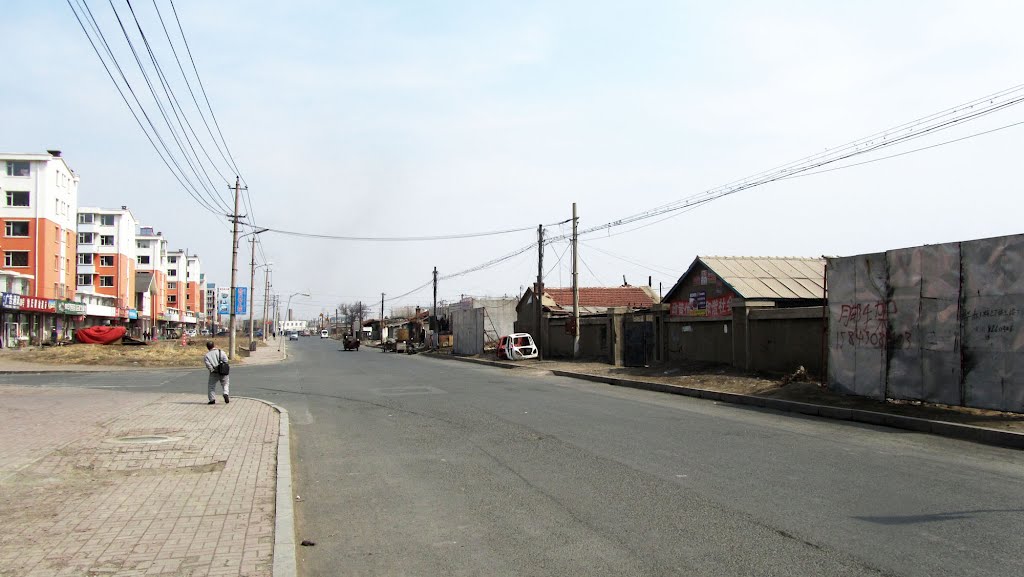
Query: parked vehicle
(293, 336)
(517, 346)
(324, 334)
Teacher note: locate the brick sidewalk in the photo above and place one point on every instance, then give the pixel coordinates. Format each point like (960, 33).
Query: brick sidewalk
(76, 498)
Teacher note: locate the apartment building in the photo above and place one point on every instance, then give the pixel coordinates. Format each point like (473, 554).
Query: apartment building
(38, 206)
(151, 281)
(107, 261)
(184, 293)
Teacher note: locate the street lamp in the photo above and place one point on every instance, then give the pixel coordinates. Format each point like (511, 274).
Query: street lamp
(287, 308)
(252, 295)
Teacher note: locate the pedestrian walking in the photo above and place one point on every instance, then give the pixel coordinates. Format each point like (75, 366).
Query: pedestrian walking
(217, 363)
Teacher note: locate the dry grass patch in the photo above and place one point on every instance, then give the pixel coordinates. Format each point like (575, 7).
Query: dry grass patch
(159, 354)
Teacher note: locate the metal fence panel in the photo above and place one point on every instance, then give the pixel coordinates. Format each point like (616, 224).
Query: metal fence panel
(938, 323)
(468, 331)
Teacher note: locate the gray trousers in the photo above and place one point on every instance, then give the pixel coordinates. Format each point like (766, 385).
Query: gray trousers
(224, 380)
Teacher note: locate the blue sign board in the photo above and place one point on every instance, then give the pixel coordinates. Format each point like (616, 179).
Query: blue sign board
(241, 300)
(133, 314)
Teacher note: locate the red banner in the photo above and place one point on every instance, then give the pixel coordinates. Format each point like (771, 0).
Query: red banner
(37, 304)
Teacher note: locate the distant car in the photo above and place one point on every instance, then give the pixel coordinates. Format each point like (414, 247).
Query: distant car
(191, 332)
(304, 333)
(293, 336)
(205, 332)
(324, 334)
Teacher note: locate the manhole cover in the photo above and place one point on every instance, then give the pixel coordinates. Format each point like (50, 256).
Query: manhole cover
(145, 439)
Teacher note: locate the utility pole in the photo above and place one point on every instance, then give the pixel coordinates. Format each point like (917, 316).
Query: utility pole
(538, 292)
(235, 217)
(266, 290)
(382, 321)
(575, 285)
(252, 287)
(433, 312)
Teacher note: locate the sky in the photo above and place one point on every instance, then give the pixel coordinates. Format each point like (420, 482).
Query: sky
(413, 119)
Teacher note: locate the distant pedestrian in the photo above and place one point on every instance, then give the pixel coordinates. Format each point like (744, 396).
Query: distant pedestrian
(215, 359)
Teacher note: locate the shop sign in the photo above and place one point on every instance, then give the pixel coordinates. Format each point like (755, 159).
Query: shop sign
(133, 314)
(37, 304)
(70, 308)
(11, 301)
(165, 317)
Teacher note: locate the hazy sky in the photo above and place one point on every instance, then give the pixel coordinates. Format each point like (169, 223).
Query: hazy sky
(430, 118)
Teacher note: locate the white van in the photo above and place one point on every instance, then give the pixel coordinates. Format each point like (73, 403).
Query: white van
(324, 334)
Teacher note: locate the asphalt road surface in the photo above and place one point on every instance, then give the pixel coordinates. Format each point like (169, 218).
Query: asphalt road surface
(407, 465)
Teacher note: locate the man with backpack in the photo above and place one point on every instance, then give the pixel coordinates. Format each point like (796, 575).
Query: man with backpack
(217, 363)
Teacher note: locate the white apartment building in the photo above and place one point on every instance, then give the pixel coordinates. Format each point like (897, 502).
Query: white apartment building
(150, 281)
(106, 260)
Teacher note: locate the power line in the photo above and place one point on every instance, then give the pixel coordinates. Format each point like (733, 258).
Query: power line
(400, 238)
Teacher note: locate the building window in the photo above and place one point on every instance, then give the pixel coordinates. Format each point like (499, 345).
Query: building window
(172, 260)
(56, 262)
(172, 272)
(86, 238)
(16, 228)
(143, 259)
(106, 220)
(86, 218)
(107, 260)
(142, 244)
(188, 297)
(85, 258)
(13, 258)
(107, 240)
(106, 281)
(17, 198)
(85, 280)
(172, 286)
(172, 299)
(18, 168)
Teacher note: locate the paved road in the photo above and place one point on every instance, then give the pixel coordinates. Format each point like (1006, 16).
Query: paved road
(418, 466)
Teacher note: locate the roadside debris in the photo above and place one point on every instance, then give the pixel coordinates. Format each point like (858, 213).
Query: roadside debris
(800, 376)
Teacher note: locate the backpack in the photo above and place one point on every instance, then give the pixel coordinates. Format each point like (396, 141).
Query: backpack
(223, 368)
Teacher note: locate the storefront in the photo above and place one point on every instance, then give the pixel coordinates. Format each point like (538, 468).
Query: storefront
(15, 329)
(70, 316)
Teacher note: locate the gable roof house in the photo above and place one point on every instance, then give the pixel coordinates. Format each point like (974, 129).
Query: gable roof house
(710, 284)
(593, 300)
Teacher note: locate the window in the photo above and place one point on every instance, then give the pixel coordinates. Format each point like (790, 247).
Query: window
(172, 299)
(172, 260)
(56, 234)
(16, 228)
(18, 168)
(56, 262)
(172, 272)
(106, 281)
(85, 258)
(172, 286)
(188, 297)
(106, 220)
(17, 198)
(142, 244)
(85, 280)
(107, 260)
(86, 238)
(14, 258)
(86, 218)
(107, 240)
(143, 259)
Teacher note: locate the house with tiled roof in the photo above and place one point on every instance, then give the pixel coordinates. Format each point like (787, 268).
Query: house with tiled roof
(593, 300)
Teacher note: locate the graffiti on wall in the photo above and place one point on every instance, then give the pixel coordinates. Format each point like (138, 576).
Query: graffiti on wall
(867, 325)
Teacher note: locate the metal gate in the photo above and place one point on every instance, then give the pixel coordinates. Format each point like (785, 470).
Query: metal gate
(639, 341)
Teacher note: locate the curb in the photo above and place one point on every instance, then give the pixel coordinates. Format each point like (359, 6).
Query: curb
(984, 435)
(284, 512)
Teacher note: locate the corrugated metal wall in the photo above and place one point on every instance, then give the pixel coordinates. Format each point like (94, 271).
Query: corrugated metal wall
(938, 323)
(468, 331)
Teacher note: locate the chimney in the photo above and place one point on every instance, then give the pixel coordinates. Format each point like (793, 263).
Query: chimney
(54, 153)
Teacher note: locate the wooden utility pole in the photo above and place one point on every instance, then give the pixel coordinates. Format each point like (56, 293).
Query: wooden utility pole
(538, 291)
(235, 217)
(575, 285)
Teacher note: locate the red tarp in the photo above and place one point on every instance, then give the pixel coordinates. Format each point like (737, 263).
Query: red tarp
(101, 335)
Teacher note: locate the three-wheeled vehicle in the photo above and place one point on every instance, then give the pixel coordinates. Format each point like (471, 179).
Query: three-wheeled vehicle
(351, 343)
(516, 347)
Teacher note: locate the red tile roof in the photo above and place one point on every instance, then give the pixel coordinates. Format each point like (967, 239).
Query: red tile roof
(604, 297)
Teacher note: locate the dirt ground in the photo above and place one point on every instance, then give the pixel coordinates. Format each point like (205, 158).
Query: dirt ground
(725, 379)
(165, 353)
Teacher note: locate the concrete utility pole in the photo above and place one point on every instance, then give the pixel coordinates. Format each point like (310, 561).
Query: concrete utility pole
(382, 321)
(433, 313)
(235, 217)
(538, 292)
(575, 285)
(266, 303)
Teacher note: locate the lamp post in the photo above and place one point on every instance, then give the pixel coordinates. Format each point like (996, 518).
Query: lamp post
(252, 298)
(287, 308)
